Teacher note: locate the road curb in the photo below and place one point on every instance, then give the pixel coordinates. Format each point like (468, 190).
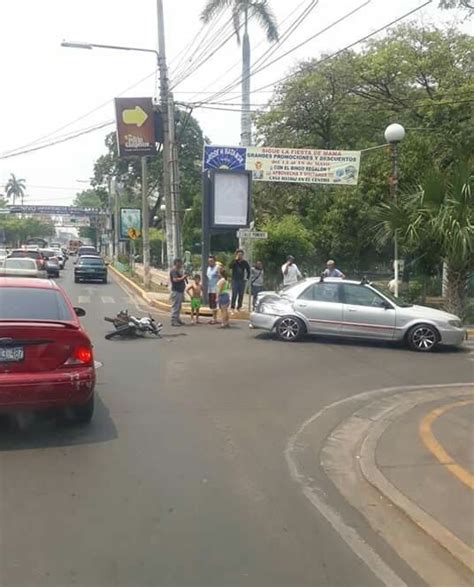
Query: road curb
(368, 466)
(141, 292)
(163, 306)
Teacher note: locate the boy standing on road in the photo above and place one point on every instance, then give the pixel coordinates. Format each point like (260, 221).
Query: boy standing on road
(290, 271)
(240, 273)
(194, 290)
(178, 285)
(212, 279)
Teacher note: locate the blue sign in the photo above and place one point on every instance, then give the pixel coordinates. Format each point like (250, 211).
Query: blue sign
(224, 158)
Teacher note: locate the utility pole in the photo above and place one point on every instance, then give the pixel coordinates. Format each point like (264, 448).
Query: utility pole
(145, 225)
(116, 204)
(168, 119)
(174, 172)
(246, 117)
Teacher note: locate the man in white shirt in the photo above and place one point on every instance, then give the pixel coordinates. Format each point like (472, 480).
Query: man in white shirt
(290, 271)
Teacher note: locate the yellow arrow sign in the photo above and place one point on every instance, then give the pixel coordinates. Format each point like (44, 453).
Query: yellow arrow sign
(135, 116)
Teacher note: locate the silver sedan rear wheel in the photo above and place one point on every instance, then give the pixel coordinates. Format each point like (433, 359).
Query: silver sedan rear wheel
(423, 338)
(290, 329)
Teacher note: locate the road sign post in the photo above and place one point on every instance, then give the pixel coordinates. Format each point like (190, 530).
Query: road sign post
(249, 235)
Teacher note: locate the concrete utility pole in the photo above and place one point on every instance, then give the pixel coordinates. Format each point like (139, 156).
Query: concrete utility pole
(246, 117)
(116, 203)
(145, 225)
(174, 172)
(170, 159)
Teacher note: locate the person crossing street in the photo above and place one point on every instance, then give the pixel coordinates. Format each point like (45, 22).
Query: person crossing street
(240, 273)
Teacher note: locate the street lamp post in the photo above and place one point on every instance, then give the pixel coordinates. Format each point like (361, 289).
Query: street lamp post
(170, 151)
(394, 133)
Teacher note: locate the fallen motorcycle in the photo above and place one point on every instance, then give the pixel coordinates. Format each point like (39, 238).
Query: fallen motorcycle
(130, 326)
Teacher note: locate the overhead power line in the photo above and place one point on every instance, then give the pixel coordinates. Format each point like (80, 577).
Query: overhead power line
(238, 62)
(347, 47)
(342, 107)
(207, 51)
(265, 66)
(59, 140)
(78, 119)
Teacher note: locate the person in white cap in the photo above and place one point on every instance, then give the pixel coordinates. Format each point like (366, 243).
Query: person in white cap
(290, 271)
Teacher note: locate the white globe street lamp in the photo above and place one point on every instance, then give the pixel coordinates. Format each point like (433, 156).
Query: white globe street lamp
(394, 133)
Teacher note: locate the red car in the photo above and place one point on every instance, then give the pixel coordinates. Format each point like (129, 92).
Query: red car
(46, 358)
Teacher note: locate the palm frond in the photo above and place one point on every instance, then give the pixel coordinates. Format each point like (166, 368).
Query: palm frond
(266, 18)
(212, 9)
(236, 14)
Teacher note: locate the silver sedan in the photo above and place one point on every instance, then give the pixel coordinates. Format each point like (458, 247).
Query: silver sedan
(353, 309)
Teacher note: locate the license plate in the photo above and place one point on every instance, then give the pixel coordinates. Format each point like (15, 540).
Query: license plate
(13, 354)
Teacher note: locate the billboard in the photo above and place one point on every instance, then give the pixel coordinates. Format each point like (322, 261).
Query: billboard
(230, 201)
(135, 127)
(130, 222)
(310, 166)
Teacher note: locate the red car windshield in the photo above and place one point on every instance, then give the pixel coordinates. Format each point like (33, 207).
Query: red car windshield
(28, 303)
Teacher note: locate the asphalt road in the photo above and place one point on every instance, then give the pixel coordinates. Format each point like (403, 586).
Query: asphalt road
(181, 478)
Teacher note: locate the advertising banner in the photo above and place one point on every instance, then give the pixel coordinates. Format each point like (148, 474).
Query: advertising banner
(135, 127)
(287, 165)
(130, 222)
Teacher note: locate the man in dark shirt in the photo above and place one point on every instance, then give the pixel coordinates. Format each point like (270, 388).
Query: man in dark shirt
(240, 273)
(178, 285)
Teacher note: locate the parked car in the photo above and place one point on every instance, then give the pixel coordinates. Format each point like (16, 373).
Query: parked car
(46, 358)
(90, 268)
(51, 262)
(60, 255)
(87, 250)
(25, 267)
(353, 309)
(29, 254)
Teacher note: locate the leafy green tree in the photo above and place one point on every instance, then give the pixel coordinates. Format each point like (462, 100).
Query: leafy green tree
(418, 76)
(287, 236)
(190, 140)
(92, 198)
(438, 215)
(245, 9)
(15, 188)
(18, 230)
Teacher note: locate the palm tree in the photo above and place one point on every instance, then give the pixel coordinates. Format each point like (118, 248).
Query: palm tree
(244, 9)
(15, 188)
(437, 216)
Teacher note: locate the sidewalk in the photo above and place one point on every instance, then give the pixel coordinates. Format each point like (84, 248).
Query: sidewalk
(161, 299)
(427, 454)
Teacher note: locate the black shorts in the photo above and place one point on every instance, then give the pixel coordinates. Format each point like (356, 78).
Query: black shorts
(213, 301)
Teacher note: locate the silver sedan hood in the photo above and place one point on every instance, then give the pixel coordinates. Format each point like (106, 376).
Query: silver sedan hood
(426, 312)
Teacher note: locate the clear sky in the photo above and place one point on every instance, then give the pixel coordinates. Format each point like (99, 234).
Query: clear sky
(46, 86)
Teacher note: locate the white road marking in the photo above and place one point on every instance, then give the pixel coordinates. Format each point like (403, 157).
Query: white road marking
(349, 534)
(84, 299)
(98, 364)
(107, 299)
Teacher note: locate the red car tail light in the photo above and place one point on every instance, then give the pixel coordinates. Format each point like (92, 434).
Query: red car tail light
(82, 355)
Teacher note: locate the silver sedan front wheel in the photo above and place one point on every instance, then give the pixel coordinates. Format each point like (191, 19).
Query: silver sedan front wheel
(423, 338)
(290, 329)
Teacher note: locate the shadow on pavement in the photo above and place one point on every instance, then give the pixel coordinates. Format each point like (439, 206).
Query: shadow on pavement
(351, 342)
(52, 430)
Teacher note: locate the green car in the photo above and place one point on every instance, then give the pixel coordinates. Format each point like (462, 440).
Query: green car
(90, 268)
